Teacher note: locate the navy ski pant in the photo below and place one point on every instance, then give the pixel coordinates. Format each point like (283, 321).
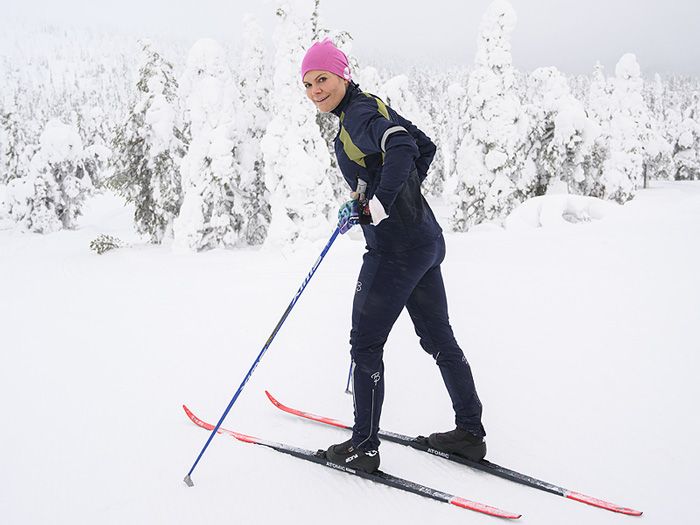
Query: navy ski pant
(387, 283)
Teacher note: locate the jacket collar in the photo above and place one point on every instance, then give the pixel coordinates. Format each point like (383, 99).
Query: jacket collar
(352, 88)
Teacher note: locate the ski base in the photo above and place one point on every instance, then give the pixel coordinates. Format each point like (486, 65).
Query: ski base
(378, 476)
(421, 443)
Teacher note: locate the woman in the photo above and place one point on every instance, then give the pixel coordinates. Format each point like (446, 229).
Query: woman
(384, 158)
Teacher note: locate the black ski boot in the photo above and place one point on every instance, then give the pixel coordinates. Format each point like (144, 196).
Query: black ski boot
(459, 442)
(347, 455)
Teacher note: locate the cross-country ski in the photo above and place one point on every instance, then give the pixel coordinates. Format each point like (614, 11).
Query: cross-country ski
(377, 476)
(420, 443)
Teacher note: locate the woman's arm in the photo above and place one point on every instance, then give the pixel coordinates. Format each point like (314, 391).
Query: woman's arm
(426, 147)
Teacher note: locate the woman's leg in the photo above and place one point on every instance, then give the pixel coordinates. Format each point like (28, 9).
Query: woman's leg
(384, 285)
(427, 306)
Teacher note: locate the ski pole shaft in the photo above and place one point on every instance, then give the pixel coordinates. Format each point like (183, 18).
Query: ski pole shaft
(347, 386)
(188, 479)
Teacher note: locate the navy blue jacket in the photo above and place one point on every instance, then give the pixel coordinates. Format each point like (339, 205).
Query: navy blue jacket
(376, 144)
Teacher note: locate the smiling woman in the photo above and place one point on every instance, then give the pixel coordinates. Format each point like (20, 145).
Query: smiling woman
(325, 89)
(326, 75)
(384, 158)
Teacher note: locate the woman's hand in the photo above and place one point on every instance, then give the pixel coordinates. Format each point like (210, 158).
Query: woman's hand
(348, 215)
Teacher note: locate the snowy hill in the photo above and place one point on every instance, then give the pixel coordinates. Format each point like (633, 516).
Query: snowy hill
(583, 339)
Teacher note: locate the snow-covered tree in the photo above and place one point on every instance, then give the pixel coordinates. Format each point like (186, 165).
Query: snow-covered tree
(4, 149)
(452, 132)
(99, 157)
(254, 79)
(629, 133)
(562, 134)
(98, 128)
(599, 108)
(49, 197)
(399, 96)
(296, 156)
(79, 77)
(148, 149)
(14, 154)
(4, 144)
(686, 148)
(431, 119)
(212, 214)
(660, 165)
(493, 169)
(370, 80)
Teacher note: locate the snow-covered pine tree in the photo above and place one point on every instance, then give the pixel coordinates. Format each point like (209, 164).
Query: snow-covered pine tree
(628, 133)
(599, 109)
(296, 156)
(316, 28)
(79, 77)
(580, 86)
(686, 148)
(104, 243)
(4, 145)
(399, 96)
(370, 80)
(675, 106)
(212, 214)
(254, 81)
(14, 154)
(99, 157)
(493, 169)
(49, 197)
(661, 165)
(148, 149)
(562, 134)
(428, 87)
(453, 132)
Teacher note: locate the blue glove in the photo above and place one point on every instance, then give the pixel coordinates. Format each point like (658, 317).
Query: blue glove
(348, 215)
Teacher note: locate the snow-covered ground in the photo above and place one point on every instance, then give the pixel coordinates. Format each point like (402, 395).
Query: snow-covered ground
(583, 339)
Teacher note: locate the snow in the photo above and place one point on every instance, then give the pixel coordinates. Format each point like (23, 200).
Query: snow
(60, 143)
(583, 341)
(627, 67)
(160, 118)
(495, 159)
(555, 210)
(493, 171)
(578, 314)
(51, 195)
(210, 215)
(296, 156)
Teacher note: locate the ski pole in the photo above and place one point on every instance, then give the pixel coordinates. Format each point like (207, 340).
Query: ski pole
(347, 386)
(188, 479)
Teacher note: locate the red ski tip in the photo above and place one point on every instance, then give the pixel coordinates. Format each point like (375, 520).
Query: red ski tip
(576, 496)
(307, 415)
(196, 420)
(486, 509)
(207, 426)
(273, 400)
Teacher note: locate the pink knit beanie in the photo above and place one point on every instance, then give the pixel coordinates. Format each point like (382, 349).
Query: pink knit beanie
(324, 56)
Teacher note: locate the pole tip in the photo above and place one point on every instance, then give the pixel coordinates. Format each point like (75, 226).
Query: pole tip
(188, 481)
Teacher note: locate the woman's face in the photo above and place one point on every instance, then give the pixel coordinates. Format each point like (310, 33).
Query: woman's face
(324, 89)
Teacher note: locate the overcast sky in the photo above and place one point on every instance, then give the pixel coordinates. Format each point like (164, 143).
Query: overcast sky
(571, 35)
